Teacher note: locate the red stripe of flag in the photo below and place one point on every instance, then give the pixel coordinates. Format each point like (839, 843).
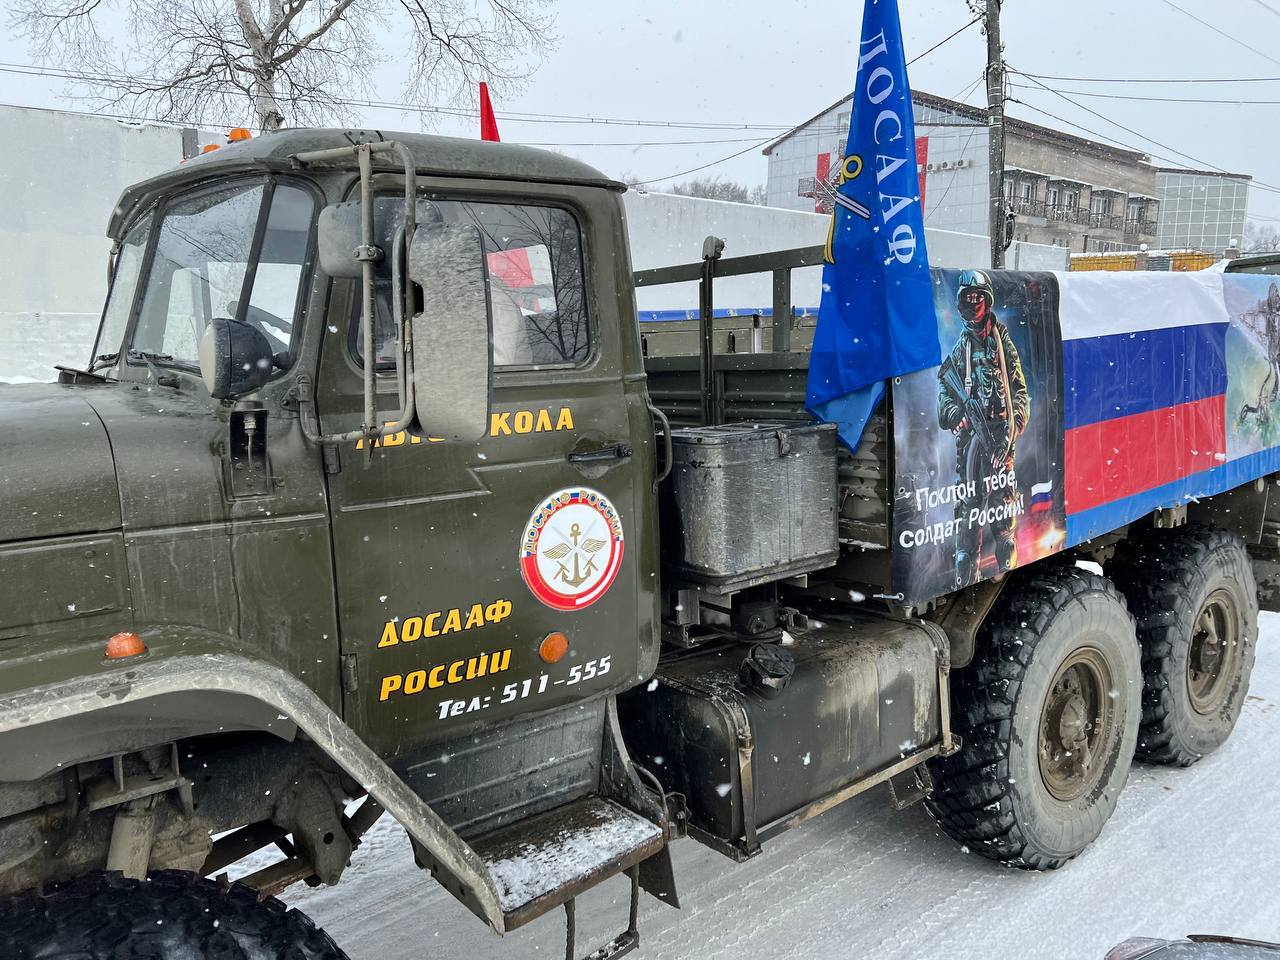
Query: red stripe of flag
(1118, 458)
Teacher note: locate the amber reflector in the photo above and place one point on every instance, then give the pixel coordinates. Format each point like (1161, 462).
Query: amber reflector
(239, 133)
(125, 645)
(209, 148)
(553, 647)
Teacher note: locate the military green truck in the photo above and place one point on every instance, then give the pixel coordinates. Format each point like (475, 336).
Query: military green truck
(364, 505)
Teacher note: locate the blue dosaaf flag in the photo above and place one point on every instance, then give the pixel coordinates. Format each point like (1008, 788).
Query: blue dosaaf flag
(876, 318)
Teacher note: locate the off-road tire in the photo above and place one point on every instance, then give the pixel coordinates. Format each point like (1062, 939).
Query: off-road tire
(170, 916)
(991, 795)
(1168, 577)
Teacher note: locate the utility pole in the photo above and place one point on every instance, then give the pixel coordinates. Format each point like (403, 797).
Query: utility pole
(995, 133)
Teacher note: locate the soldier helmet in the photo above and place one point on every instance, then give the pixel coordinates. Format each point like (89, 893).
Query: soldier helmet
(970, 281)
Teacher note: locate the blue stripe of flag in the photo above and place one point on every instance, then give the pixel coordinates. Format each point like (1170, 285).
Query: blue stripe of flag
(1127, 373)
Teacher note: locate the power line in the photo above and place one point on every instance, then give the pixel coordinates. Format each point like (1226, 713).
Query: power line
(1265, 187)
(1267, 7)
(1125, 96)
(1141, 136)
(950, 36)
(951, 182)
(1220, 32)
(1047, 76)
(761, 143)
(713, 163)
(23, 69)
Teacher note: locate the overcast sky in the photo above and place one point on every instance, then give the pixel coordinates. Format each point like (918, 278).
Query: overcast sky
(765, 62)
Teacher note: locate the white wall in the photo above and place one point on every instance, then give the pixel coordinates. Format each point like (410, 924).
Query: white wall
(61, 174)
(666, 229)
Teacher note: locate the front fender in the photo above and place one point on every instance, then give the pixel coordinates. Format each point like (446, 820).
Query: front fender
(76, 706)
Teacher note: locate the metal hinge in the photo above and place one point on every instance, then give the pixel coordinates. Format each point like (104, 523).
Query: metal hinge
(332, 459)
(350, 679)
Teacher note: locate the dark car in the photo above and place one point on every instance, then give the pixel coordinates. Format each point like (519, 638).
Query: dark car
(1195, 947)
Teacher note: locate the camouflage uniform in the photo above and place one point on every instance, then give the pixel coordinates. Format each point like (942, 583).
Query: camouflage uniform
(977, 355)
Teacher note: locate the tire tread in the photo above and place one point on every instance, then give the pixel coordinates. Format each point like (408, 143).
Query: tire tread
(170, 914)
(972, 799)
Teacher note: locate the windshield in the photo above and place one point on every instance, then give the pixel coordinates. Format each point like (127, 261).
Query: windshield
(204, 263)
(124, 282)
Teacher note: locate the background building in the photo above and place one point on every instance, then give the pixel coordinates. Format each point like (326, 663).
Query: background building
(1201, 209)
(1064, 190)
(62, 187)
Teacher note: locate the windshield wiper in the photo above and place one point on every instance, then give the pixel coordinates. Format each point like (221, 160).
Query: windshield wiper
(151, 358)
(102, 360)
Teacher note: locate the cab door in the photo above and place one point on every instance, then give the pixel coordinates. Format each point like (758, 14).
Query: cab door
(456, 562)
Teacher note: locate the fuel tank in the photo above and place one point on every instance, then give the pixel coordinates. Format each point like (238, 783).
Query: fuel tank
(757, 738)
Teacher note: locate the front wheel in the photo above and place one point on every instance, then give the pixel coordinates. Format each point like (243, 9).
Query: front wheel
(1048, 712)
(169, 916)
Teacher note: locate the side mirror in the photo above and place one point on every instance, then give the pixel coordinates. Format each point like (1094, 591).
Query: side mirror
(452, 363)
(235, 358)
(337, 236)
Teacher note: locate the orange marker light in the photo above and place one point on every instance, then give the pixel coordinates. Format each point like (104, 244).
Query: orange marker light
(553, 647)
(209, 147)
(123, 645)
(239, 133)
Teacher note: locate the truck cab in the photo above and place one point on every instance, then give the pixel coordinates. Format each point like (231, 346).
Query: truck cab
(413, 589)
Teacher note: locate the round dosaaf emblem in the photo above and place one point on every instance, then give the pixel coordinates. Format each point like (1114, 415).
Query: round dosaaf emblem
(572, 548)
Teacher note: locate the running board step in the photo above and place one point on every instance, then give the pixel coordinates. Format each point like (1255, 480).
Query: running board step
(545, 861)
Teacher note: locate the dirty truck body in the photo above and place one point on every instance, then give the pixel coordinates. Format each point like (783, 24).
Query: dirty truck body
(262, 588)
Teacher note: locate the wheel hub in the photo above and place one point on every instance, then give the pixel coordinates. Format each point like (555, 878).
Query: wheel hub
(1075, 724)
(1211, 659)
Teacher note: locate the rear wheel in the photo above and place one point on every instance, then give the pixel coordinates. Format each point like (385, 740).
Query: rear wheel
(169, 916)
(1048, 712)
(1193, 595)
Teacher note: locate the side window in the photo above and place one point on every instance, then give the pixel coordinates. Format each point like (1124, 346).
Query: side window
(536, 286)
(124, 283)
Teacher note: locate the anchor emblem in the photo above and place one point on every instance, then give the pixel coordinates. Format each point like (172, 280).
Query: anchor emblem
(571, 547)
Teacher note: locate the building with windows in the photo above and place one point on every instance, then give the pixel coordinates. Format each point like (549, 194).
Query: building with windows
(1201, 209)
(1061, 189)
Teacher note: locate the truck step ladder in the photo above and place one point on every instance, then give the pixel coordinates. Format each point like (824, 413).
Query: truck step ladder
(548, 860)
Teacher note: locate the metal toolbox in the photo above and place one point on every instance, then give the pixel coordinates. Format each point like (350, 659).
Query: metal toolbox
(863, 700)
(750, 503)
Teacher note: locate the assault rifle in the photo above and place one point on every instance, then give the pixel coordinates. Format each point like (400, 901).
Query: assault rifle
(984, 430)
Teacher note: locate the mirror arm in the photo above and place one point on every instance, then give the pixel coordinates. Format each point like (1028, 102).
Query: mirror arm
(402, 302)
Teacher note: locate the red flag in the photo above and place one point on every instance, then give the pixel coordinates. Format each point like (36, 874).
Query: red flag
(488, 123)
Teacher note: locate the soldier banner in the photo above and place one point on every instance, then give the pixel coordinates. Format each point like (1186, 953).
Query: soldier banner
(979, 438)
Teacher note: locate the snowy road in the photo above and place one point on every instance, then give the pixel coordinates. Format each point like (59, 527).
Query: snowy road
(1188, 851)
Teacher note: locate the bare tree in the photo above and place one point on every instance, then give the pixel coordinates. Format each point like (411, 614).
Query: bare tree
(295, 62)
(1261, 238)
(715, 188)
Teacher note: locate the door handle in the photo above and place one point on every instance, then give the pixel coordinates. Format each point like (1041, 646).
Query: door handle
(615, 451)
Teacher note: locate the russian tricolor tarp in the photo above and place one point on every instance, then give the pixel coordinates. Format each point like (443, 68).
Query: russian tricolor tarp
(1068, 405)
(1145, 367)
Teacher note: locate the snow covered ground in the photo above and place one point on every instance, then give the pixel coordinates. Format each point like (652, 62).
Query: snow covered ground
(1188, 851)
